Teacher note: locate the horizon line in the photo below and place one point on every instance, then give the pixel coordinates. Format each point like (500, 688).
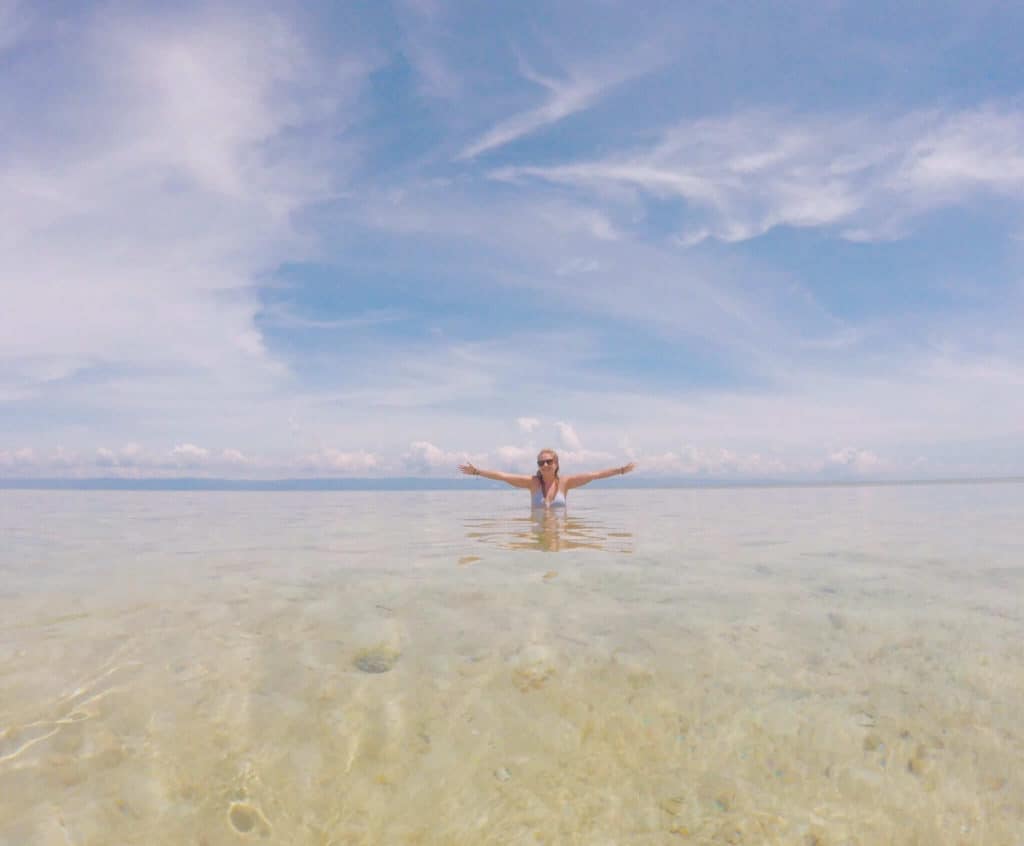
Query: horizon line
(431, 483)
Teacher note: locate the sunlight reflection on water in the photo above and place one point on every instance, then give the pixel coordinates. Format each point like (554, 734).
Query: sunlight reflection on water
(549, 530)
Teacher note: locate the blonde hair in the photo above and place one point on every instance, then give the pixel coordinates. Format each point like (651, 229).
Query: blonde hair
(552, 453)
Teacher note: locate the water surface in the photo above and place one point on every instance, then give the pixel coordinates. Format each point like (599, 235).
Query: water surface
(792, 666)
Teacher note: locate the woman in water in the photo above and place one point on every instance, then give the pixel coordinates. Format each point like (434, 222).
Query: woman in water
(547, 488)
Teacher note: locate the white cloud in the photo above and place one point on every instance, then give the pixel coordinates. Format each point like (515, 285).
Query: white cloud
(423, 34)
(33, 462)
(852, 461)
(330, 460)
(516, 458)
(106, 457)
(132, 456)
(568, 436)
(712, 462)
(189, 455)
(573, 460)
(981, 148)
(138, 232)
(565, 97)
(428, 454)
(869, 175)
(130, 452)
(234, 457)
(14, 459)
(527, 424)
(423, 457)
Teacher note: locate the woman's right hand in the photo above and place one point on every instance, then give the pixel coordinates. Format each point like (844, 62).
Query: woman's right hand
(469, 469)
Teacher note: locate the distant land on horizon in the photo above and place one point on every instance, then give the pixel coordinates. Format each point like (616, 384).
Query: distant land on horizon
(444, 484)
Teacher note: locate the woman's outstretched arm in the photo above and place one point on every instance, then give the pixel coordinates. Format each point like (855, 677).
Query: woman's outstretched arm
(507, 478)
(584, 478)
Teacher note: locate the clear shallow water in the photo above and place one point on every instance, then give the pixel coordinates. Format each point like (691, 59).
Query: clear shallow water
(792, 666)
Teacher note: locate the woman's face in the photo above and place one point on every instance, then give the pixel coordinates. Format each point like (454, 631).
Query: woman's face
(547, 463)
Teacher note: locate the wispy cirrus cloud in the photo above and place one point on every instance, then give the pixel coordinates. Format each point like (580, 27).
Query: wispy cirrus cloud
(564, 99)
(443, 373)
(867, 175)
(578, 91)
(425, 28)
(150, 222)
(567, 252)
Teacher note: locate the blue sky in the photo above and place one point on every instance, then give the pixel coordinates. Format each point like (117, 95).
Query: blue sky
(771, 240)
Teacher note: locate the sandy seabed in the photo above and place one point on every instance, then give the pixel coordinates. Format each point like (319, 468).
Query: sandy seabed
(485, 695)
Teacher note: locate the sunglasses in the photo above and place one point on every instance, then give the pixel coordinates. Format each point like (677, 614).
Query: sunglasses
(542, 461)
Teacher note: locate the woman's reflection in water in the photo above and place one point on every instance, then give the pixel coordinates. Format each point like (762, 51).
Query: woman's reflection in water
(550, 530)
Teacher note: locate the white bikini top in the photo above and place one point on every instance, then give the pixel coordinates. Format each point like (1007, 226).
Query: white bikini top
(538, 499)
